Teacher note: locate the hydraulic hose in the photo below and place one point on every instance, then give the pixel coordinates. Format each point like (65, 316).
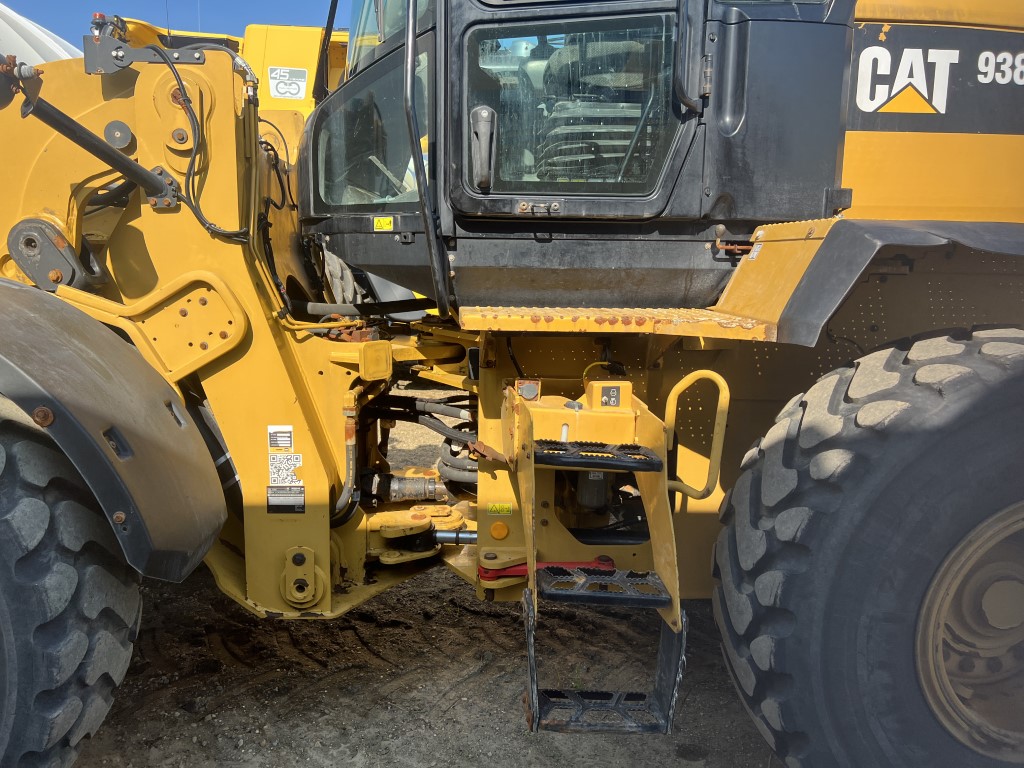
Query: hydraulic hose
(317, 309)
(348, 500)
(457, 475)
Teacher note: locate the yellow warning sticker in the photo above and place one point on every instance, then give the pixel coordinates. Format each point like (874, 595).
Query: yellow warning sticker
(383, 223)
(499, 509)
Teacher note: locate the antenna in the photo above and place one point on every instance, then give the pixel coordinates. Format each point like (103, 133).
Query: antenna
(167, 10)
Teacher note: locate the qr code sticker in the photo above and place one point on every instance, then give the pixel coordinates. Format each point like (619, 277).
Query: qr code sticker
(282, 468)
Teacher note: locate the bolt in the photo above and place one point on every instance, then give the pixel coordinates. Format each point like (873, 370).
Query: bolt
(298, 559)
(202, 301)
(167, 202)
(490, 556)
(152, 202)
(183, 312)
(524, 206)
(169, 181)
(175, 56)
(159, 171)
(55, 275)
(223, 334)
(197, 56)
(179, 135)
(203, 345)
(556, 206)
(119, 517)
(300, 585)
(543, 522)
(42, 416)
(707, 191)
(712, 37)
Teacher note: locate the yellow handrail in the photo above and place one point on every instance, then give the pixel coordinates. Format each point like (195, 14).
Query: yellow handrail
(717, 437)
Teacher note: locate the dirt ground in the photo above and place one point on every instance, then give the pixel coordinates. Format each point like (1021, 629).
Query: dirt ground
(423, 675)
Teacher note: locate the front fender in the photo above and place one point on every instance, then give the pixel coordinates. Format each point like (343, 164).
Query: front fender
(124, 428)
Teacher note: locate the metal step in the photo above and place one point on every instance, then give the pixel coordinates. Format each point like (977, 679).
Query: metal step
(596, 456)
(577, 711)
(602, 586)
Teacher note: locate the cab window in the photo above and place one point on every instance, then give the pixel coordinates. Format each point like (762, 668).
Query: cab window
(583, 107)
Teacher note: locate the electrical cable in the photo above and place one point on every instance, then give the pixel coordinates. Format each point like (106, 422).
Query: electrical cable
(189, 196)
(287, 158)
(512, 356)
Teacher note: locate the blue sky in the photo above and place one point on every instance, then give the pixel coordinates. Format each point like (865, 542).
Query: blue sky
(70, 18)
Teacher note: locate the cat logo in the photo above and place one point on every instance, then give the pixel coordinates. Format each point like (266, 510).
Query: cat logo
(920, 85)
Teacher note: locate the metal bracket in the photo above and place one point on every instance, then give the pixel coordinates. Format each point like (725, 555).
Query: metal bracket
(105, 54)
(537, 208)
(170, 196)
(43, 253)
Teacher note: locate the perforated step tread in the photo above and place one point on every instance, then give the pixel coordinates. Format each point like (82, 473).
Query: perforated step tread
(597, 456)
(571, 711)
(602, 586)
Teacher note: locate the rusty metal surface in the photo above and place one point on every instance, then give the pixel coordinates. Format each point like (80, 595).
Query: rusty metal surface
(668, 322)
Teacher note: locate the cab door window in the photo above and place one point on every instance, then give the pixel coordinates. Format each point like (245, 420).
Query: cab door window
(583, 106)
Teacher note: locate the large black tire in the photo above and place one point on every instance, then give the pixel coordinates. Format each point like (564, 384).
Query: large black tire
(69, 604)
(843, 515)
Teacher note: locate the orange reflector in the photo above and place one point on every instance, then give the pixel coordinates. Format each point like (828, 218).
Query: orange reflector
(499, 531)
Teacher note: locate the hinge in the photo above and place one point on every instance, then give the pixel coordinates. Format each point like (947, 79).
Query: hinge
(705, 81)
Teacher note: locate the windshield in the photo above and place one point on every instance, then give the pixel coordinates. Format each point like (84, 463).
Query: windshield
(367, 31)
(365, 159)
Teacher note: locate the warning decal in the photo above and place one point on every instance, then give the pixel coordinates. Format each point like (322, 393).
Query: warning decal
(287, 82)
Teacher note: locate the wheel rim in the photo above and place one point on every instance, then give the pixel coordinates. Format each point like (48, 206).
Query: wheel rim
(970, 639)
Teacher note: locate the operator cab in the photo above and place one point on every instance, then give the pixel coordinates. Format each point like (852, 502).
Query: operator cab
(576, 154)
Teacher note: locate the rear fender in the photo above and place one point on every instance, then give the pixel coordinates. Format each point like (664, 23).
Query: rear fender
(124, 428)
(849, 248)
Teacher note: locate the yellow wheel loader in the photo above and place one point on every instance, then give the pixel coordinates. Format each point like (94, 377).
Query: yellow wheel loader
(727, 296)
